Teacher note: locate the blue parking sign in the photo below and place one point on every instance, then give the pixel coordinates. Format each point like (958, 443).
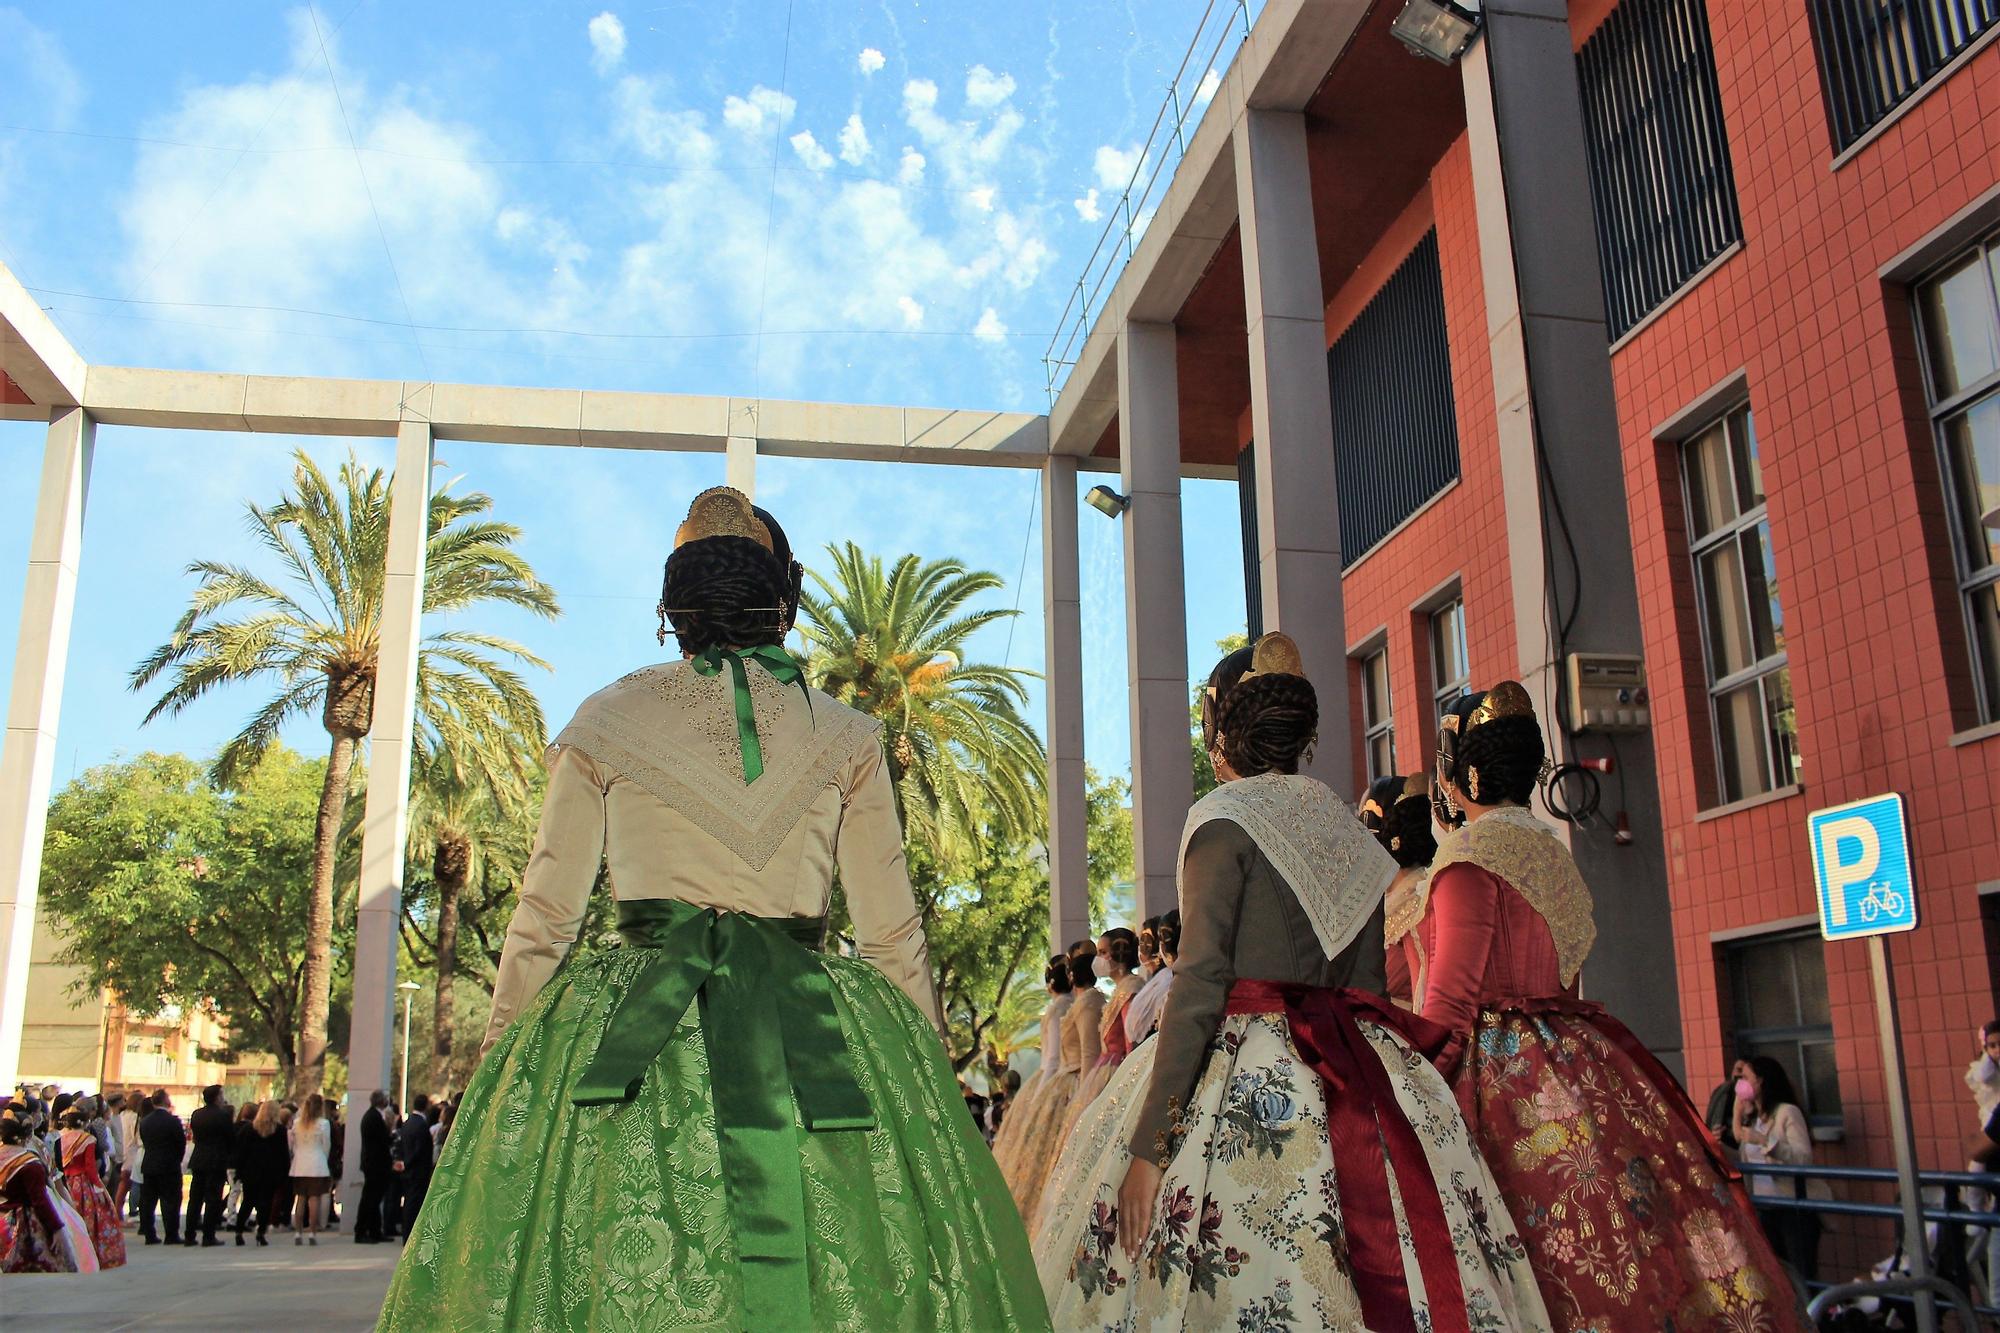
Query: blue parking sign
(1861, 860)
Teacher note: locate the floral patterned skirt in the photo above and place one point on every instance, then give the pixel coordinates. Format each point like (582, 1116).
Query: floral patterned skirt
(27, 1247)
(100, 1219)
(547, 1215)
(1631, 1220)
(1253, 1224)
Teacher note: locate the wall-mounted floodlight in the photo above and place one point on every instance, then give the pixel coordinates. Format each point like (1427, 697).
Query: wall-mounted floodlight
(1438, 29)
(1107, 501)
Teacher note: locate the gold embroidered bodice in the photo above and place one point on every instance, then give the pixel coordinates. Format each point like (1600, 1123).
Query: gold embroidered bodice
(648, 779)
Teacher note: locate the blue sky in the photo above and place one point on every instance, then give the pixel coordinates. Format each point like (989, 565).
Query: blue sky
(880, 203)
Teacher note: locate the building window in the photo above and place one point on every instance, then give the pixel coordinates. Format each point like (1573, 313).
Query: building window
(1777, 988)
(1376, 716)
(1742, 622)
(1660, 177)
(1451, 672)
(1875, 55)
(1960, 313)
(1393, 451)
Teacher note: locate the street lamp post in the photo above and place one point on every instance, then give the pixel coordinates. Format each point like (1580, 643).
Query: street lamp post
(409, 989)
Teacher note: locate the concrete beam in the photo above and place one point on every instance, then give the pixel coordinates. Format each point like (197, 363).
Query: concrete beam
(1062, 636)
(386, 821)
(28, 754)
(1298, 530)
(1155, 609)
(34, 353)
(1558, 424)
(740, 470)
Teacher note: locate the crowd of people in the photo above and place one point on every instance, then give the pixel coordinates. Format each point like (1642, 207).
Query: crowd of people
(77, 1170)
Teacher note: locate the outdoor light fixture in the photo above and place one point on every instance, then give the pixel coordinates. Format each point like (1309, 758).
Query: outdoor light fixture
(1439, 29)
(1107, 501)
(1989, 519)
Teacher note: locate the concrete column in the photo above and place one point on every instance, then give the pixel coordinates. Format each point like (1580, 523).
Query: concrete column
(742, 464)
(1062, 631)
(386, 823)
(1558, 427)
(1149, 466)
(1298, 525)
(28, 757)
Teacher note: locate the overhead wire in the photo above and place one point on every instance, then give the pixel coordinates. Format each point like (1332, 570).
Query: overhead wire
(1021, 579)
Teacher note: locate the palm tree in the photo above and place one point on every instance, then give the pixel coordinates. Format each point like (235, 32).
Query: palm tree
(314, 632)
(468, 823)
(893, 645)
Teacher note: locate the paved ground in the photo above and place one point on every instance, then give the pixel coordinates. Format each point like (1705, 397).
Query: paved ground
(333, 1287)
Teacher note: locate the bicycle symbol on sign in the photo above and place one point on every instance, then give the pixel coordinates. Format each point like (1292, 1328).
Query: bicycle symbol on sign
(1881, 900)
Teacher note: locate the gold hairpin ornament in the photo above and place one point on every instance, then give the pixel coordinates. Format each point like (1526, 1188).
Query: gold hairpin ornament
(1275, 655)
(722, 511)
(1507, 699)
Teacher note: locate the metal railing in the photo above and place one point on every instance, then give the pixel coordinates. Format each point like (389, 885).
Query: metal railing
(1224, 24)
(1953, 1259)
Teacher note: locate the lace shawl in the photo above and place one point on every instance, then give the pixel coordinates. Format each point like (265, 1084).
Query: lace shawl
(672, 731)
(1511, 843)
(1314, 841)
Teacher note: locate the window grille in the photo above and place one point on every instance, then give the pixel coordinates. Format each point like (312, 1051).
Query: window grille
(1875, 55)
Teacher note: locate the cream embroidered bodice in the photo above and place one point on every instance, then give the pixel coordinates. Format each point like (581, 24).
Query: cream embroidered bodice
(648, 779)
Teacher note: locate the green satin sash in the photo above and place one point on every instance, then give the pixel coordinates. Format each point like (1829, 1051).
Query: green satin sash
(773, 1035)
(784, 668)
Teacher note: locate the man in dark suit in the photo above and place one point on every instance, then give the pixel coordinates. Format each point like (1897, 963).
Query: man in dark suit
(164, 1140)
(212, 1127)
(375, 1170)
(413, 1160)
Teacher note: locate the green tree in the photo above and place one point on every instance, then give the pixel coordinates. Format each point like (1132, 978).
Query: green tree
(1204, 769)
(892, 644)
(313, 631)
(172, 891)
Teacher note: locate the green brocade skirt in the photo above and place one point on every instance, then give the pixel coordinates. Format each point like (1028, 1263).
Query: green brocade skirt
(715, 1127)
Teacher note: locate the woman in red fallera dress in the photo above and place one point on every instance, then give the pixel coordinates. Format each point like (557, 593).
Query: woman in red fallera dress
(76, 1149)
(1632, 1216)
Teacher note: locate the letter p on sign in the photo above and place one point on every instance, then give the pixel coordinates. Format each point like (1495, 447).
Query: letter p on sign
(1853, 851)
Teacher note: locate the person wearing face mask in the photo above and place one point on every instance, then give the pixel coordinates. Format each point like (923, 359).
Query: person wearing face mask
(1117, 961)
(1632, 1214)
(1771, 1128)
(1062, 993)
(1142, 1016)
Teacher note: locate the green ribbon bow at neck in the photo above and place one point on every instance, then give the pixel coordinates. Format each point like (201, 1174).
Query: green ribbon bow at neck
(774, 1040)
(783, 667)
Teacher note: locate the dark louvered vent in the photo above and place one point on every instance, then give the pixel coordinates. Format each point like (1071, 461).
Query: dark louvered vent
(1875, 54)
(1660, 178)
(1395, 430)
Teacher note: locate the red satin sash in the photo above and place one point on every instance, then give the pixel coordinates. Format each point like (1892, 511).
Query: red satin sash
(1363, 1120)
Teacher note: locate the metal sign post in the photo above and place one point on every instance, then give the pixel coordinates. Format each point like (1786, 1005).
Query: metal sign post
(1915, 1249)
(1861, 861)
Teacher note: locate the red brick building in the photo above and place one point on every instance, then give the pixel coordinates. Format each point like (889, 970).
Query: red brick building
(1779, 223)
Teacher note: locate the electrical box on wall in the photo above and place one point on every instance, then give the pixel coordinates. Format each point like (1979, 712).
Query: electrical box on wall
(1607, 693)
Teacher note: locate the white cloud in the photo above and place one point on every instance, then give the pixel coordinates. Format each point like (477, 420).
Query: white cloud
(913, 313)
(1204, 92)
(910, 170)
(607, 42)
(854, 146)
(809, 151)
(989, 329)
(33, 63)
(678, 137)
(869, 60)
(984, 88)
(1115, 166)
(981, 198)
(765, 109)
(1086, 207)
(1023, 253)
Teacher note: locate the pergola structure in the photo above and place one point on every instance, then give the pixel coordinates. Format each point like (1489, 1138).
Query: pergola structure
(1243, 188)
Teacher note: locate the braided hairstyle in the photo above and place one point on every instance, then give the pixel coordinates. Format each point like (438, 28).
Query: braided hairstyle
(1122, 947)
(1081, 955)
(730, 591)
(1498, 760)
(1398, 812)
(1056, 975)
(1170, 936)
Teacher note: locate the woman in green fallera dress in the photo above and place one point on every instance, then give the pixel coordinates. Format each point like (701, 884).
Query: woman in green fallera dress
(717, 1126)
